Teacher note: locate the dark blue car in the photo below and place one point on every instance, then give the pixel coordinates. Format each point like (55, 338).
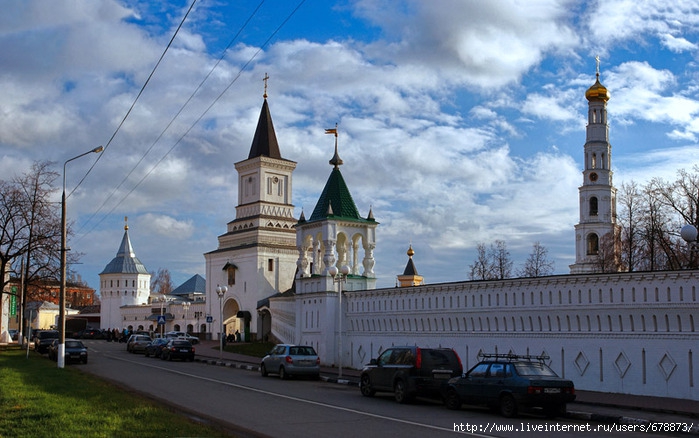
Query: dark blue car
(509, 383)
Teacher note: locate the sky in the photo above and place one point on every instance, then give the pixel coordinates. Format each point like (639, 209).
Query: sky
(460, 121)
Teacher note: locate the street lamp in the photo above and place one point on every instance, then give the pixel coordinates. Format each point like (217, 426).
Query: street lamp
(339, 277)
(62, 293)
(689, 234)
(221, 291)
(162, 299)
(185, 308)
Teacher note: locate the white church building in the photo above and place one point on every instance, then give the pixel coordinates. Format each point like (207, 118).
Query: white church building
(312, 281)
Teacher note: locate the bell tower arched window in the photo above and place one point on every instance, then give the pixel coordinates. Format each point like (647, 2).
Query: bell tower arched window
(593, 206)
(592, 244)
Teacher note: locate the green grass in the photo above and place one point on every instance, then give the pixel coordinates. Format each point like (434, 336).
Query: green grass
(37, 399)
(255, 349)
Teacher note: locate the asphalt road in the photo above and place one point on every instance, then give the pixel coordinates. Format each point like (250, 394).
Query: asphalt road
(250, 405)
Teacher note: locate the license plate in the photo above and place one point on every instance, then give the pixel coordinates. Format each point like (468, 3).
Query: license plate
(552, 390)
(184, 351)
(442, 376)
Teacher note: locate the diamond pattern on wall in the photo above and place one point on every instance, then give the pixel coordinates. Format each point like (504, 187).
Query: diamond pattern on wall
(581, 363)
(667, 366)
(622, 364)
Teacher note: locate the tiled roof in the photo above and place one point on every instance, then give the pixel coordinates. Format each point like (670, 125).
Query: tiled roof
(195, 285)
(335, 201)
(125, 261)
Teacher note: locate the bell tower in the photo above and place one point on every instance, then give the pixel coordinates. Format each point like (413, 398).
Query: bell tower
(595, 233)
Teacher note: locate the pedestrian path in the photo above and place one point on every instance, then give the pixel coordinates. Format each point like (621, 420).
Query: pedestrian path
(626, 409)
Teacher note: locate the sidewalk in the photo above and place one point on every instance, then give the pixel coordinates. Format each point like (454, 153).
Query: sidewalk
(589, 405)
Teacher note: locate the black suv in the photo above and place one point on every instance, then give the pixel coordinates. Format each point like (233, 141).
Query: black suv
(43, 340)
(410, 371)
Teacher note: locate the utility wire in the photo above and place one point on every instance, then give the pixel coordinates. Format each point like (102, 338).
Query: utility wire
(136, 99)
(206, 111)
(172, 120)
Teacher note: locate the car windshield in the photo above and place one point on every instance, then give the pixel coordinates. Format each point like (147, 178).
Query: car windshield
(74, 344)
(534, 369)
(181, 344)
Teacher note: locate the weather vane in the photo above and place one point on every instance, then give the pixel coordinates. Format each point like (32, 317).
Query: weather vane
(336, 160)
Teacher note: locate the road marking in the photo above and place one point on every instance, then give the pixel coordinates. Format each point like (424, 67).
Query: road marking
(289, 397)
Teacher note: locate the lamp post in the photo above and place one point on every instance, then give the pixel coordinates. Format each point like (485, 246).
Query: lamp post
(221, 291)
(339, 277)
(185, 308)
(62, 293)
(162, 301)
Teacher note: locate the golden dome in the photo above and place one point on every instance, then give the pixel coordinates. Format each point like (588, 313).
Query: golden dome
(597, 91)
(410, 251)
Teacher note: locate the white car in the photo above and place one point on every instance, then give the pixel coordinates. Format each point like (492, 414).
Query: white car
(182, 335)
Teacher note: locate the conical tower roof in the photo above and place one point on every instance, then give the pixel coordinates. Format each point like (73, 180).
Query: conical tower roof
(125, 261)
(335, 200)
(264, 143)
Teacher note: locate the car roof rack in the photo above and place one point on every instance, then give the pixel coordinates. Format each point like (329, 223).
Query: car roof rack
(512, 357)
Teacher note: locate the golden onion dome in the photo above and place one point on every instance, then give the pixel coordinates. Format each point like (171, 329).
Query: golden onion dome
(597, 91)
(410, 251)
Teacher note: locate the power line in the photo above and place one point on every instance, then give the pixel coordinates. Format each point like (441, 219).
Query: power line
(137, 97)
(172, 120)
(206, 111)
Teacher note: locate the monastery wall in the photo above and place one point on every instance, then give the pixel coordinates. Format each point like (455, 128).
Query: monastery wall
(627, 332)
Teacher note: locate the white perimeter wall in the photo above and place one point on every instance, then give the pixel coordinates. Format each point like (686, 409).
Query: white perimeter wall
(632, 333)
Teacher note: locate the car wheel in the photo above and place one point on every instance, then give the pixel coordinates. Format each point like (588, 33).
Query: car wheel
(400, 392)
(452, 400)
(508, 406)
(169, 357)
(263, 370)
(283, 374)
(84, 360)
(147, 354)
(162, 357)
(365, 386)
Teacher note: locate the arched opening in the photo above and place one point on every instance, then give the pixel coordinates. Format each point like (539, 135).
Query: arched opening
(592, 244)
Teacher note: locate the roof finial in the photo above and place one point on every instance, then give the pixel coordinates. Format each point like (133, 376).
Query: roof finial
(126, 223)
(597, 71)
(336, 160)
(265, 81)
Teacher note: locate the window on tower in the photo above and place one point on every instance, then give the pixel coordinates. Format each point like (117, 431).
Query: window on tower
(592, 244)
(594, 161)
(593, 206)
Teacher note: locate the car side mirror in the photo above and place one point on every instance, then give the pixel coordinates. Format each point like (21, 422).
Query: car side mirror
(373, 362)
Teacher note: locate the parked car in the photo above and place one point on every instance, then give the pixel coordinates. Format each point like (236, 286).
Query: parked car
(510, 382)
(74, 350)
(90, 333)
(155, 347)
(409, 372)
(137, 343)
(43, 339)
(182, 335)
(178, 349)
(291, 360)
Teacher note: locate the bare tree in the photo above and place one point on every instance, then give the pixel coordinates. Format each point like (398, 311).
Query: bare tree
(630, 217)
(481, 269)
(501, 262)
(537, 263)
(161, 282)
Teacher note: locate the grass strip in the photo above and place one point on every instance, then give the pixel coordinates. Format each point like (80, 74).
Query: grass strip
(38, 399)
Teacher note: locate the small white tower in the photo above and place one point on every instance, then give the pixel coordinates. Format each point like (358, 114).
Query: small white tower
(125, 281)
(597, 230)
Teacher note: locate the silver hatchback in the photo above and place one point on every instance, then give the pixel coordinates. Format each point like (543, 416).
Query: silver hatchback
(291, 360)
